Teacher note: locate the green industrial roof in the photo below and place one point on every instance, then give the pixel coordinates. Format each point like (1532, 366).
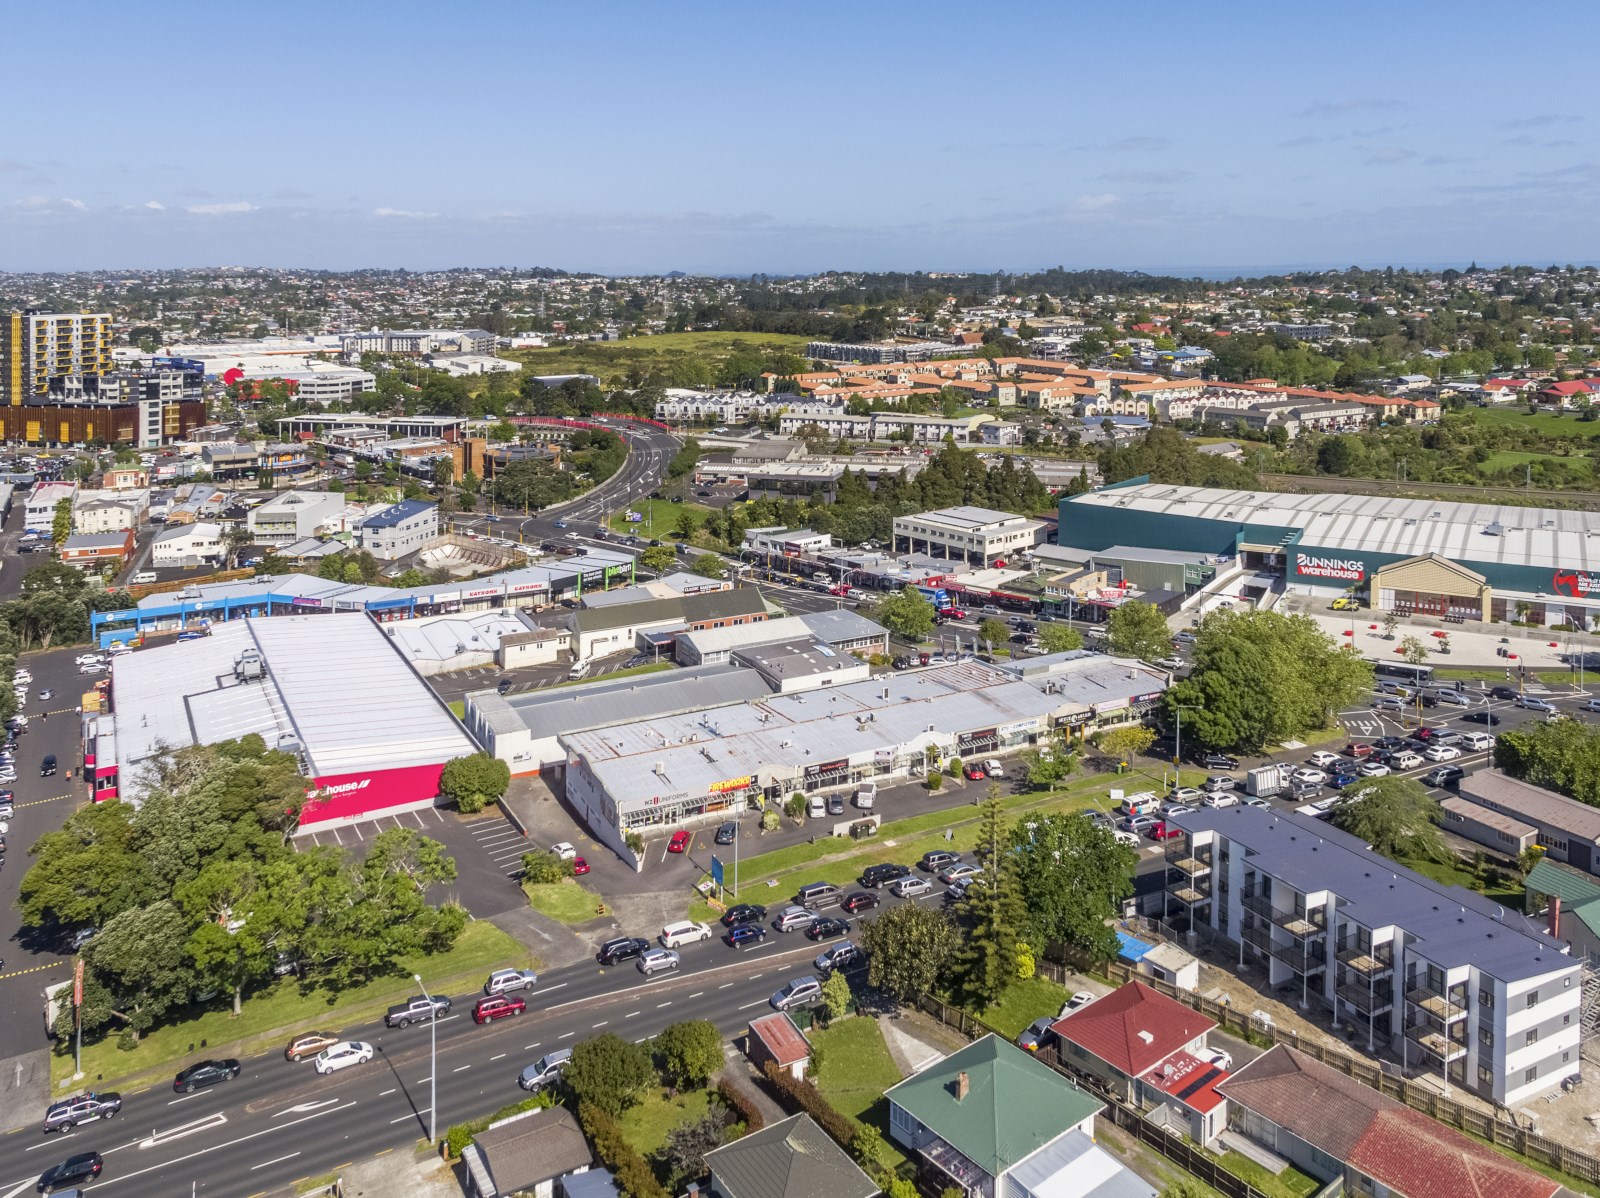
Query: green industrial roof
(1014, 1106)
(1579, 892)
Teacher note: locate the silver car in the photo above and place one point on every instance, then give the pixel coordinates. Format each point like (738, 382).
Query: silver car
(504, 981)
(658, 960)
(797, 993)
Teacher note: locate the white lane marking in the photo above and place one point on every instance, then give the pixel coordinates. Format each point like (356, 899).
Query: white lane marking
(602, 1023)
(697, 994)
(216, 1119)
(420, 1080)
(754, 976)
(630, 1014)
(725, 985)
(531, 1047)
(425, 1110)
(461, 1069)
(278, 1160)
(659, 1005)
(185, 1098)
(549, 989)
(757, 1003)
(566, 1035)
(496, 1058)
(303, 1107)
(386, 1094)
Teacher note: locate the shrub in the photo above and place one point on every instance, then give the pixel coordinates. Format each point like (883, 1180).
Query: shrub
(740, 1102)
(867, 1146)
(803, 1096)
(770, 820)
(457, 1138)
(935, 780)
(795, 808)
(542, 866)
(635, 843)
(632, 1171)
(475, 781)
(954, 766)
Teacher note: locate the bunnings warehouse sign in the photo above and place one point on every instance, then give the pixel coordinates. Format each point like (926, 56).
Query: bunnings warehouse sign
(1343, 568)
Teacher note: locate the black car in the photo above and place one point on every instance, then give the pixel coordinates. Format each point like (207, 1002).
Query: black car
(623, 948)
(81, 1108)
(743, 913)
(726, 833)
(502, 686)
(74, 1170)
(1219, 761)
(1503, 692)
(48, 765)
(822, 929)
(1388, 742)
(861, 900)
(205, 1073)
(1481, 717)
(902, 662)
(1444, 775)
(882, 875)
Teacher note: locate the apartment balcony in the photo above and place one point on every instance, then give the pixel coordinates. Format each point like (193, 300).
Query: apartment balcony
(1308, 926)
(1258, 904)
(1436, 1044)
(1374, 962)
(1301, 956)
(1258, 937)
(1191, 861)
(1369, 1000)
(1192, 892)
(1445, 1010)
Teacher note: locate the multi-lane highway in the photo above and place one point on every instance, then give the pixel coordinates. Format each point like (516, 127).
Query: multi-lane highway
(278, 1122)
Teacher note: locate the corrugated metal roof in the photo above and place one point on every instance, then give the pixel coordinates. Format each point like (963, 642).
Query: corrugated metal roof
(621, 700)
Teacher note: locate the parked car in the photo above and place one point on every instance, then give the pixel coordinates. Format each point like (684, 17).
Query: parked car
(972, 773)
(726, 832)
(1161, 830)
(679, 842)
(1309, 775)
(487, 1010)
(1476, 742)
(579, 867)
(1219, 761)
(564, 850)
(1037, 1034)
(1137, 824)
(1441, 752)
(1454, 698)
(504, 981)
(1217, 1057)
(745, 933)
(993, 768)
(1405, 760)
(1219, 782)
(205, 1073)
(884, 873)
(1444, 775)
(911, 887)
(1481, 717)
(1187, 795)
(797, 993)
(81, 1108)
(743, 913)
(342, 1055)
(309, 1044)
(1220, 798)
(1127, 838)
(861, 900)
(686, 931)
(621, 948)
(835, 804)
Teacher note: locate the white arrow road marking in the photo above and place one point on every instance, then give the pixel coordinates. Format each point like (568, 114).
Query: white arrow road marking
(307, 1106)
(157, 1138)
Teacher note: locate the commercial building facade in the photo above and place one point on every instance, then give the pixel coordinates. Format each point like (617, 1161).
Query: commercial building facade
(400, 529)
(292, 516)
(972, 534)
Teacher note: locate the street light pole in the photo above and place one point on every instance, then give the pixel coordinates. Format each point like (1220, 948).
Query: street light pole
(433, 1064)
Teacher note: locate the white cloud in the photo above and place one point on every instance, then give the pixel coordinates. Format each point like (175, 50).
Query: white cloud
(1091, 203)
(223, 209)
(403, 212)
(42, 203)
(76, 205)
(155, 205)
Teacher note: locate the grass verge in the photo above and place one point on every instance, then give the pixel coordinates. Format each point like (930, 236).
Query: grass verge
(272, 1015)
(459, 707)
(856, 1070)
(1291, 1183)
(1466, 674)
(566, 901)
(660, 517)
(1021, 1004)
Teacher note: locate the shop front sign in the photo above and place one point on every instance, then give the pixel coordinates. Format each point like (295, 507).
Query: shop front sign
(1345, 569)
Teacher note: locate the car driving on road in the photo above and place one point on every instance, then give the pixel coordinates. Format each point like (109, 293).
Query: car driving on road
(797, 993)
(81, 1108)
(342, 1056)
(621, 948)
(416, 1009)
(205, 1073)
(75, 1170)
(309, 1044)
(503, 981)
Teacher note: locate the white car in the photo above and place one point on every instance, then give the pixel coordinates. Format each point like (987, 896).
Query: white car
(1309, 775)
(564, 850)
(994, 769)
(1076, 1003)
(1405, 761)
(1477, 742)
(1215, 1056)
(684, 932)
(1441, 752)
(1373, 769)
(1128, 838)
(1322, 759)
(342, 1056)
(1171, 663)
(1220, 798)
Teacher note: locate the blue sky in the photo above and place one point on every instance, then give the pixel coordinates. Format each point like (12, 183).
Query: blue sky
(732, 138)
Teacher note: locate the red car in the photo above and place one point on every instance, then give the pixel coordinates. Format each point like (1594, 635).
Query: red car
(973, 773)
(498, 1007)
(579, 865)
(1161, 831)
(1357, 749)
(839, 590)
(679, 841)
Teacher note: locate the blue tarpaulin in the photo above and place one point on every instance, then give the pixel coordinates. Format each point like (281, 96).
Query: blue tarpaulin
(1132, 948)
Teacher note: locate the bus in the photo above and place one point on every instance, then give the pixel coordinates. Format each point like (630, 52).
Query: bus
(1418, 675)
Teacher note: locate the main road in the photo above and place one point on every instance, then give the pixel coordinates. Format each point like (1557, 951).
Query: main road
(279, 1122)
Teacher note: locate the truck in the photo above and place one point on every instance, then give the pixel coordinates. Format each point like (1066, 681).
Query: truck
(416, 1009)
(938, 596)
(866, 793)
(1267, 780)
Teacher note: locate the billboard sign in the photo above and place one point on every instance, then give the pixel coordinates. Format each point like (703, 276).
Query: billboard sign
(716, 871)
(1575, 583)
(728, 784)
(1345, 569)
(340, 796)
(297, 601)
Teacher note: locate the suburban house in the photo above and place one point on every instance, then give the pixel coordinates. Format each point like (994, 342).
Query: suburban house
(1569, 900)
(109, 511)
(187, 545)
(775, 1038)
(1146, 1049)
(1332, 1127)
(526, 1154)
(993, 1122)
(791, 1159)
(98, 548)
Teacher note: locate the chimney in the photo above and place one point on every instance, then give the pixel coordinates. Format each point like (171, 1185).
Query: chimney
(963, 1083)
(1555, 917)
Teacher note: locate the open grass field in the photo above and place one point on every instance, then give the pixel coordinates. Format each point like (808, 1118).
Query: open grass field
(1511, 459)
(1551, 423)
(660, 517)
(647, 1124)
(270, 1016)
(612, 361)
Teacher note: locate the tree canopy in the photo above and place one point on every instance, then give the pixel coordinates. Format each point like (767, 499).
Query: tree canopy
(909, 615)
(1073, 876)
(1138, 630)
(1396, 816)
(909, 950)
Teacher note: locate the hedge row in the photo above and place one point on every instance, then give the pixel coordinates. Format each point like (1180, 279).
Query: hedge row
(740, 1103)
(632, 1171)
(803, 1096)
(457, 1138)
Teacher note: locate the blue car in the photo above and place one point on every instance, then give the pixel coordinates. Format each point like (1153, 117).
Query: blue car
(1340, 781)
(750, 933)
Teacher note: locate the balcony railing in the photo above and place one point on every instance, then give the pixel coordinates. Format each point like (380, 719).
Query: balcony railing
(1259, 937)
(1190, 861)
(1259, 904)
(1373, 961)
(1444, 1009)
(1369, 1000)
(1436, 1044)
(1190, 891)
(1301, 956)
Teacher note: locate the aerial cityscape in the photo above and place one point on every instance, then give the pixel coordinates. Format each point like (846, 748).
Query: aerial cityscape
(610, 666)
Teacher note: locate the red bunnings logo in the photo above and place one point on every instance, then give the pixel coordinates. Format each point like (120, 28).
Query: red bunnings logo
(1574, 583)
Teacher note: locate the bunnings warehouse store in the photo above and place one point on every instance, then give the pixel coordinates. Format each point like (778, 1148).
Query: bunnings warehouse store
(1463, 561)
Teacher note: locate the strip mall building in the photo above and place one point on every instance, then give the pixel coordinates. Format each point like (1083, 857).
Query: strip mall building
(1463, 560)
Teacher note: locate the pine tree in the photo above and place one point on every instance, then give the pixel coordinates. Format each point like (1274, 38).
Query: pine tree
(994, 908)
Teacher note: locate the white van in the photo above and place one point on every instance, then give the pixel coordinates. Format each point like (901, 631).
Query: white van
(579, 670)
(856, 595)
(816, 807)
(866, 793)
(142, 577)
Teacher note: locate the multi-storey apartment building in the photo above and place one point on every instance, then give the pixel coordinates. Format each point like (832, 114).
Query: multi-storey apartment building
(36, 347)
(1438, 975)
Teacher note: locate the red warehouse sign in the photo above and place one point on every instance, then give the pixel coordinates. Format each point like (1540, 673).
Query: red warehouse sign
(343, 796)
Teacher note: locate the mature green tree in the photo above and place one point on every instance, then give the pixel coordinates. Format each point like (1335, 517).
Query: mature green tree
(475, 781)
(1073, 876)
(1127, 743)
(1059, 638)
(87, 871)
(609, 1072)
(994, 632)
(685, 460)
(1138, 630)
(658, 559)
(61, 522)
(908, 615)
(1396, 816)
(690, 1052)
(140, 956)
(1414, 650)
(836, 994)
(686, 525)
(1261, 678)
(994, 910)
(909, 950)
(708, 565)
(232, 946)
(1563, 755)
(1047, 766)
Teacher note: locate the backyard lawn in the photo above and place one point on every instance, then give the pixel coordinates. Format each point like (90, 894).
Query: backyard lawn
(856, 1070)
(1021, 1004)
(647, 1124)
(1291, 1183)
(270, 1016)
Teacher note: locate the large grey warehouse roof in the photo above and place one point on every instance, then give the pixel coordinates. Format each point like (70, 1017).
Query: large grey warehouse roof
(333, 682)
(620, 701)
(1454, 926)
(1466, 532)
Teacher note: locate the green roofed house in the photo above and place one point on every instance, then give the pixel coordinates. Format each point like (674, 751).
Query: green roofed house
(991, 1120)
(791, 1159)
(1569, 899)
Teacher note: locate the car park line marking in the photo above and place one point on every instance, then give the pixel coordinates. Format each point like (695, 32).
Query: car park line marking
(275, 1161)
